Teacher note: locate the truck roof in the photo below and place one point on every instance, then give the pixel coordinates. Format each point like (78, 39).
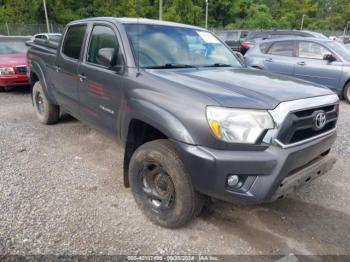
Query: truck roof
(134, 20)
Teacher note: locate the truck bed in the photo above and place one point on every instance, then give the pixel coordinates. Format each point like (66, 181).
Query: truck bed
(43, 45)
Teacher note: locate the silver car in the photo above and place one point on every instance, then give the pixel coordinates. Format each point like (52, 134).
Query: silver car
(316, 60)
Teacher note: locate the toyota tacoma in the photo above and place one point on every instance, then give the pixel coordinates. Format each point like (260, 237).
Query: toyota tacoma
(194, 120)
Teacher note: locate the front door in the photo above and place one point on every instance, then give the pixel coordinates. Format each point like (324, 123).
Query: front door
(311, 66)
(100, 87)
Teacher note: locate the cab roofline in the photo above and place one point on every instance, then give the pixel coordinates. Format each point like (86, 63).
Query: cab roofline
(135, 20)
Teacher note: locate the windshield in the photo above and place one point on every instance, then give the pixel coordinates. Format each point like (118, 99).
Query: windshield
(161, 45)
(340, 49)
(12, 47)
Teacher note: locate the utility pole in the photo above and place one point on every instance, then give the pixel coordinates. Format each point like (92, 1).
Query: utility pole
(7, 28)
(46, 18)
(302, 22)
(347, 27)
(160, 9)
(206, 14)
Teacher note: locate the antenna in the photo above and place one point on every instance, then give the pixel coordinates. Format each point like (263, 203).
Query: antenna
(138, 37)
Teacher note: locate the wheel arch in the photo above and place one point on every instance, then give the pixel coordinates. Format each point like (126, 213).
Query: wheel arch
(139, 133)
(143, 122)
(37, 74)
(343, 90)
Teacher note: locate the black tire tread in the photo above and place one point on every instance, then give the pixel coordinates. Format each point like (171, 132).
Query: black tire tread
(52, 112)
(346, 88)
(197, 200)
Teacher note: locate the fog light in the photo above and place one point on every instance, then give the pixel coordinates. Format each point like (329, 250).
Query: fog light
(232, 180)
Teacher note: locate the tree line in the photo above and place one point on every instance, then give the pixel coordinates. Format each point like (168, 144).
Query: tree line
(248, 14)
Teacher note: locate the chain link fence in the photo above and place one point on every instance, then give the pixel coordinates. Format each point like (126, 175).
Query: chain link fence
(29, 29)
(32, 29)
(327, 33)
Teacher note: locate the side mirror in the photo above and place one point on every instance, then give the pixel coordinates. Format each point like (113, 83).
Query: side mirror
(119, 65)
(329, 57)
(106, 57)
(111, 58)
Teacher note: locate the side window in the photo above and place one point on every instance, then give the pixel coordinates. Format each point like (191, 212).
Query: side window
(264, 47)
(283, 48)
(102, 37)
(312, 50)
(73, 41)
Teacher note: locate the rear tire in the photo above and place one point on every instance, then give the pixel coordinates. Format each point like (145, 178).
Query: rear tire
(347, 92)
(46, 112)
(161, 186)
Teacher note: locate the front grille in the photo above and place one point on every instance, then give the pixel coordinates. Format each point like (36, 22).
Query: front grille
(21, 69)
(300, 125)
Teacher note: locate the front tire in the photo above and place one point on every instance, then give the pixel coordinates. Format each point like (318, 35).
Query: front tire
(347, 92)
(46, 112)
(161, 186)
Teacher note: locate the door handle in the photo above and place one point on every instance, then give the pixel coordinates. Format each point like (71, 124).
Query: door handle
(302, 63)
(268, 59)
(82, 77)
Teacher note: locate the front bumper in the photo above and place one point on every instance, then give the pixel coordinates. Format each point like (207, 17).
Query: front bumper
(13, 80)
(262, 172)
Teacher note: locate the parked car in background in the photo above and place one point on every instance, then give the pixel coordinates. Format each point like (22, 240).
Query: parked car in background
(317, 60)
(233, 38)
(55, 37)
(193, 122)
(13, 62)
(258, 36)
(345, 39)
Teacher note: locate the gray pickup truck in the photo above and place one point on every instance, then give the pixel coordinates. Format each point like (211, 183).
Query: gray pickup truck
(194, 121)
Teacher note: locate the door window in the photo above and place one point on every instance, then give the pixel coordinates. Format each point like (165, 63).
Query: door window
(101, 37)
(312, 50)
(283, 48)
(74, 41)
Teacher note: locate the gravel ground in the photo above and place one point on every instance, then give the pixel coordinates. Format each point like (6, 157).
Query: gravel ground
(61, 192)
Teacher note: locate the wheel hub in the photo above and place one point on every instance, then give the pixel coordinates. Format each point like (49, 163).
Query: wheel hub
(39, 103)
(162, 183)
(157, 186)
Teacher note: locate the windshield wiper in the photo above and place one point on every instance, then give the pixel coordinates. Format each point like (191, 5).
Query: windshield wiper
(218, 65)
(171, 65)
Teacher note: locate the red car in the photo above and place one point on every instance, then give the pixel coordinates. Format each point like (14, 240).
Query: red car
(13, 61)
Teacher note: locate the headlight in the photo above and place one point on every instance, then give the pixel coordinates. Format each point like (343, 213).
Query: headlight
(6, 70)
(238, 125)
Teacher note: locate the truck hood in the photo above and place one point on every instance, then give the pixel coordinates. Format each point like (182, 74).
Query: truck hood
(242, 87)
(12, 60)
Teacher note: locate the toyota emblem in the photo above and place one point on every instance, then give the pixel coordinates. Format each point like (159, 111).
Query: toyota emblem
(320, 120)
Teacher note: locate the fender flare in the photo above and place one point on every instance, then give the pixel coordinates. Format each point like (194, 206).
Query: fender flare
(38, 71)
(155, 116)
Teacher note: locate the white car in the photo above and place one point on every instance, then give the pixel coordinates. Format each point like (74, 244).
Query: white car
(48, 36)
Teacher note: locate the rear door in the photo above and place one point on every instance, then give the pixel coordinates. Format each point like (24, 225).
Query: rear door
(100, 87)
(280, 57)
(311, 66)
(64, 75)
